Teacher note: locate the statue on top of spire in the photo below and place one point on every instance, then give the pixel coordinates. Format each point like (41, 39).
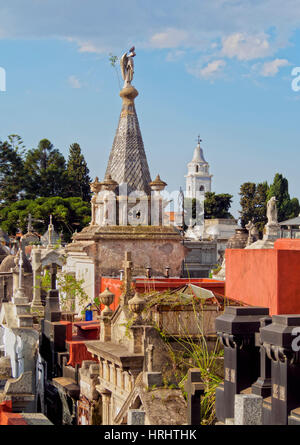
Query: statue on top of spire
(127, 66)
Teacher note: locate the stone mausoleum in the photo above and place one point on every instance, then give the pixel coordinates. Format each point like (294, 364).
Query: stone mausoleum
(127, 210)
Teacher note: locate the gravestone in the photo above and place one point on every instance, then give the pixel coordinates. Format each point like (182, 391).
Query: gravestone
(194, 387)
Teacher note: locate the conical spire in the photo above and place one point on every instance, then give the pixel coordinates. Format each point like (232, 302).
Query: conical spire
(127, 161)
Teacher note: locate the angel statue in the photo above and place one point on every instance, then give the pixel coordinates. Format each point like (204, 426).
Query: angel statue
(272, 212)
(127, 66)
(253, 234)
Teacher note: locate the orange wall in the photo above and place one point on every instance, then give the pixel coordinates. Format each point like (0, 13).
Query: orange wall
(287, 244)
(146, 285)
(264, 277)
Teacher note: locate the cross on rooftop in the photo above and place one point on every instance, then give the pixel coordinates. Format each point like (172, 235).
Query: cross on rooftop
(199, 139)
(30, 220)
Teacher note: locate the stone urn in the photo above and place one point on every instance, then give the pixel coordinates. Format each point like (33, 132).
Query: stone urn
(238, 240)
(106, 298)
(136, 306)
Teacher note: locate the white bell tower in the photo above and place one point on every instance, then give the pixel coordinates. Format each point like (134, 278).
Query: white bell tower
(198, 178)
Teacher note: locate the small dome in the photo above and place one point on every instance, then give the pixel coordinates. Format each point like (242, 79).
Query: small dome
(8, 263)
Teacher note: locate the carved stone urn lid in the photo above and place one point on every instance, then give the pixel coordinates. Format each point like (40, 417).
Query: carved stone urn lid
(157, 184)
(96, 185)
(106, 297)
(136, 304)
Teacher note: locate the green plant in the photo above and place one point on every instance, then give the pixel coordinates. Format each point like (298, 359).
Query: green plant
(128, 326)
(113, 61)
(216, 269)
(70, 288)
(187, 350)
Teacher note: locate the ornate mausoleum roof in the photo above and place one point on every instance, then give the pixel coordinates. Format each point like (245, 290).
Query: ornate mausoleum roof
(127, 161)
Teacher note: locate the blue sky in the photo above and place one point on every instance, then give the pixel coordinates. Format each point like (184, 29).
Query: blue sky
(221, 68)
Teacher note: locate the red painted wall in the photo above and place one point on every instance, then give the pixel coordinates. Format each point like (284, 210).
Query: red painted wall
(265, 277)
(287, 244)
(146, 285)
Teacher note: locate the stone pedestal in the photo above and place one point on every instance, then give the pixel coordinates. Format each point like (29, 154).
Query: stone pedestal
(105, 328)
(272, 232)
(248, 409)
(236, 329)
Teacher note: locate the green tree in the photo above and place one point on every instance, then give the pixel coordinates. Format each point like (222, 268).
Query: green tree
(254, 204)
(45, 171)
(78, 179)
(11, 169)
(192, 210)
(287, 208)
(247, 202)
(260, 200)
(17, 143)
(217, 206)
(69, 215)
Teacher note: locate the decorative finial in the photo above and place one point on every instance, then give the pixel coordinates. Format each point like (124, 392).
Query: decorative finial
(199, 139)
(50, 232)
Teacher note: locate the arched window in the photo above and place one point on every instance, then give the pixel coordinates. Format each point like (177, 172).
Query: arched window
(197, 168)
(201, 188)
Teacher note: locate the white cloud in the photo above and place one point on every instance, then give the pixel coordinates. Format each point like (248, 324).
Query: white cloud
(271, 68)
(218, 29)
(74, 82)
(210, 70)
(246, 47)
(88, 46)
(171, 38)
(175, 55)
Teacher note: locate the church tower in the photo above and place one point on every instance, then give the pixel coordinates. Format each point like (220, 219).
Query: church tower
(198, 178)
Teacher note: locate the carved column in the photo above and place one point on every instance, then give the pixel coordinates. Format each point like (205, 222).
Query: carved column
(106, 401)
(282, 343)
(262, 387)
(93, 205)
(236, 328)
(36, 304)
(127, 266)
